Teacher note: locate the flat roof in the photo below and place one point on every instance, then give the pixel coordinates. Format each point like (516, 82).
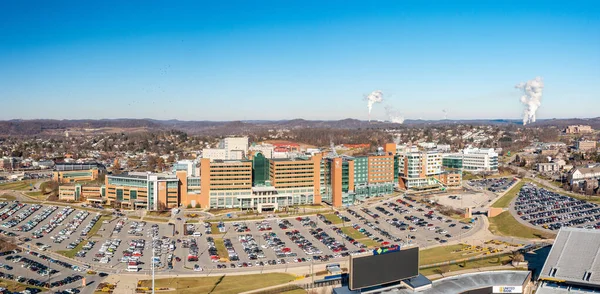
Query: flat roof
(574, 257)
(418, 281)
(472, 281)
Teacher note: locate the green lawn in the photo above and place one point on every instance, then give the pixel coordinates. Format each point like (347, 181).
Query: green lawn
(505, 224)
(8, 197)
(485, 262)
(353, 233)
(71, 253)
(442, 253)
(97, 225)
(214, 229)
(220, 285)
(297, 291)
(37, 194)
(191, 221)
(505, 200)
(369, 243)
(154, 219)
(15, 286)
(333, 218)
(18, 185)
(221, 250)
(159, 213)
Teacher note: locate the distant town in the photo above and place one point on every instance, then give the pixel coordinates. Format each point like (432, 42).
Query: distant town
(320, 206)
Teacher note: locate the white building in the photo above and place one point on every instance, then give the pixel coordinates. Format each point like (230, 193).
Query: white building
(190, 166)
(443, 147)
(266, 149)
(417, 167)
(214, 153)
(473, 160)
(234, 148)
(581, 174)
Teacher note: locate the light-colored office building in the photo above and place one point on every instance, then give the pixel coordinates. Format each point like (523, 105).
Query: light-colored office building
(472, 160)
(586, 146)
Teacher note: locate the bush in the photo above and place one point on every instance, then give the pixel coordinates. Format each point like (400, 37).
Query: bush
(189, 206)
(197, 205)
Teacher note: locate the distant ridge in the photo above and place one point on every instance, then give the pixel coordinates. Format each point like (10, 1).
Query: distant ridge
(39, 126)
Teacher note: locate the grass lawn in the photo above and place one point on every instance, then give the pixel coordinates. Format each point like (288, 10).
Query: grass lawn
(353, 233)
(37, 194)
(442, 253)
(18, 185)
(134, 217)
(159, 213)
(71, 253)
(505, 200)
(369, 243)
(191, 221)
(154, 219)
(485, 262)
(214, 229)
(223, 211)
(505, 224)
(221, 250)
(8, 197)
(297, 291)
(97, 225)
(15, 286)
(222, 284)
(334, 219)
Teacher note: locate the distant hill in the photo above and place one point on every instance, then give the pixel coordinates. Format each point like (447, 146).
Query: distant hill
(41, 126)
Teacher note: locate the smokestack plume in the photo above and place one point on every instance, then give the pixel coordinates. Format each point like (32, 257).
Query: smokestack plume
(445, 113)
(393, 115)
(375, 97)
(531, 98)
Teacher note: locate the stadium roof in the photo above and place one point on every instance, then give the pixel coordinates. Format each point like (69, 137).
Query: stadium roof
(574, 257)
(466, 282)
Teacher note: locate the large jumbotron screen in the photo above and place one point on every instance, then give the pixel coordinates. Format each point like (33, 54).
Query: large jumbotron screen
(372, 270)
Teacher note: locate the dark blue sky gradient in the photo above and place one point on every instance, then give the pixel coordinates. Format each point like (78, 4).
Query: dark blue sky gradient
(226, 60)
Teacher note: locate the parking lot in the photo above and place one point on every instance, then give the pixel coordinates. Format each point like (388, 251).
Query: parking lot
(496, 185)
(118, 244)
(550, 210)
(465, 199)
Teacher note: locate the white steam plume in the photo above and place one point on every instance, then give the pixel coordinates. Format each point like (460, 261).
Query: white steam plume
(393, 115)
(375, 97)
(445, 113)
(532, 98)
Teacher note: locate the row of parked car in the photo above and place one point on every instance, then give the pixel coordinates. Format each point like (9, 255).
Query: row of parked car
(54, 222)
(38, 218)
(89, 226)
(251, 247)
(552, 211)
(23, 214)
(330, 242)
(10, 209)
(302, 242)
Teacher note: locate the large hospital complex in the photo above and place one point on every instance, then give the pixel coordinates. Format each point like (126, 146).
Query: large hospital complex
(260, 177)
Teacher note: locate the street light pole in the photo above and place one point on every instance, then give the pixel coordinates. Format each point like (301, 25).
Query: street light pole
(153, 270)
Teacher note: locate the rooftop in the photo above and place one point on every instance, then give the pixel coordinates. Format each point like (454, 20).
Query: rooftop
(466, 282)
(574, 257)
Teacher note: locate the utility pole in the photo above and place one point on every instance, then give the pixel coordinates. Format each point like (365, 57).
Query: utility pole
(153, 270)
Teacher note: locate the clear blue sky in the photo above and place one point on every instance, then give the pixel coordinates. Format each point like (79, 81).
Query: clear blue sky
(238, 60)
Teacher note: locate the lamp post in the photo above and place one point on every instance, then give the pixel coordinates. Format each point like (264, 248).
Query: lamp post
(153, 270)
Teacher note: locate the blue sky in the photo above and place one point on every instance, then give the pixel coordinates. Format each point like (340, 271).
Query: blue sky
(240, 60)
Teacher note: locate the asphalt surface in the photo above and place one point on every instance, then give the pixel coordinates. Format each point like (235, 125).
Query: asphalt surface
(422, 237)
